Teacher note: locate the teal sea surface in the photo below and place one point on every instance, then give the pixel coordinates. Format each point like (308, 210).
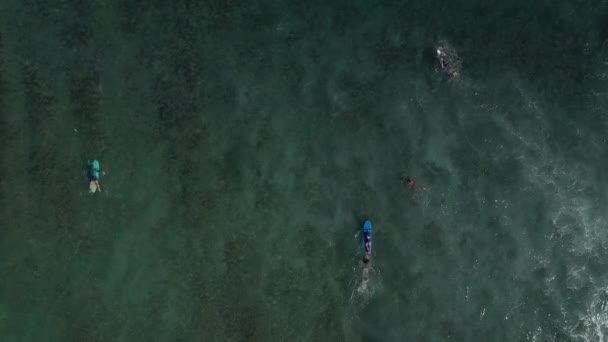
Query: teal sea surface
(244, 144)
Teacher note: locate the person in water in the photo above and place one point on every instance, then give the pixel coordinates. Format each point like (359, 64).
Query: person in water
(367, 242)
(445, 64)
(409, 181)
(366, 259)
(94, 182)
(94, 174)
(368, 249)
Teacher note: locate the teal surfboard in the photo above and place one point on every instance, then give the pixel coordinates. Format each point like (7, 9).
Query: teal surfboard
(94, 174)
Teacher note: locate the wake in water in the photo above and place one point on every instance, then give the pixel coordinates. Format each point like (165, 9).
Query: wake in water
(365, 281)
(593, 326)
(364, 285)
(570, 199)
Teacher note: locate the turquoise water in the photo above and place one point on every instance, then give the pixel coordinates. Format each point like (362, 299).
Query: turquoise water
(244, 145)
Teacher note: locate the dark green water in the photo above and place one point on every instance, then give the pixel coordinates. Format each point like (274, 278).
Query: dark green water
(244, 145)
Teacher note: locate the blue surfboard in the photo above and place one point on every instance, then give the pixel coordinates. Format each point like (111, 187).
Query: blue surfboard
(367, 229)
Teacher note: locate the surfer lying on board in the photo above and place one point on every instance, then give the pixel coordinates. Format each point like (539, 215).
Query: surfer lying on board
(94, 173)
(445, 63)
(368, 249)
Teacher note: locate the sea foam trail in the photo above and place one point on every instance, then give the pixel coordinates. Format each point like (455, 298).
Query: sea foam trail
(570, 200)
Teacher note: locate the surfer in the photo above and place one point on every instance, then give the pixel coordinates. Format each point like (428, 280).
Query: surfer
(94, 173)
(366, 259)
(444, 62)
(366, 239)
(367, 244)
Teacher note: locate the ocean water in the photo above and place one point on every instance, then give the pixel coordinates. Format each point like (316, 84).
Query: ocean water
(244, 144)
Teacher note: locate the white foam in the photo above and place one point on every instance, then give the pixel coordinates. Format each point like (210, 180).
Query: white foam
(566, 183)
(593, 324)
(570, 200)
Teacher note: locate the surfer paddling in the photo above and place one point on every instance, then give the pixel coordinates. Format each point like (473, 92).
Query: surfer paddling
(367, 243)
(368, 252)
(409, 181)
(444, 62)
(94, 175)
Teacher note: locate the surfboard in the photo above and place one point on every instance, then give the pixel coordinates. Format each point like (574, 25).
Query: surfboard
(94, 173)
